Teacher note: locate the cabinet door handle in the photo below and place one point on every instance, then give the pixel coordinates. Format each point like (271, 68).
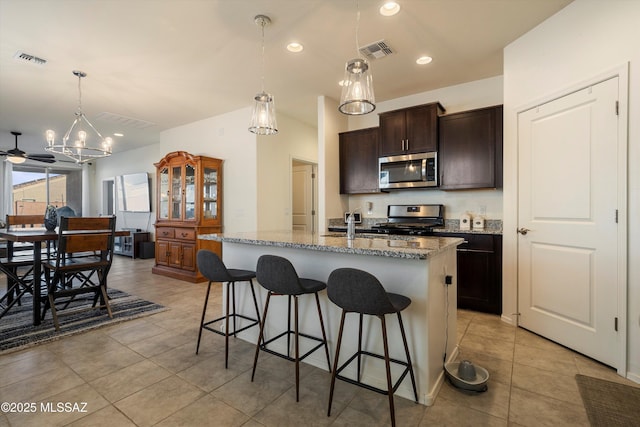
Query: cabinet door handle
(476, 251)
(407, 144)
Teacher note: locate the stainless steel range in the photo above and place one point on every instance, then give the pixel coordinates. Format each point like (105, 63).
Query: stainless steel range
(419, 220)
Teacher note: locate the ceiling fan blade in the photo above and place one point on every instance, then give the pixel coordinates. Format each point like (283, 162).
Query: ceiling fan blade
(16, 152)
(46, 158)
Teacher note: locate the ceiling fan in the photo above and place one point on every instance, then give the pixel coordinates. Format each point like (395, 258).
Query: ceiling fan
(16, 155)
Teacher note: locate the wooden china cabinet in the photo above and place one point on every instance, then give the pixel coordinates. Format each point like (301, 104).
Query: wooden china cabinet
(189, 202)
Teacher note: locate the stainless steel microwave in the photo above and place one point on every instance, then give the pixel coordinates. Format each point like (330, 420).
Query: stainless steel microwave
(408, 171)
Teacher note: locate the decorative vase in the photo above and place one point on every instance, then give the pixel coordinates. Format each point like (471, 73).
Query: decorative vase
(50, 218)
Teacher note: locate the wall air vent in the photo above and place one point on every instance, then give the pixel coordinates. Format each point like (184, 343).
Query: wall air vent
(31, 59)
(124, 121)
(376, 50)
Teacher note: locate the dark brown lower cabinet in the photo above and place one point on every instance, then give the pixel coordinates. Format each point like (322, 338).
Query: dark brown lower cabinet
(479, 272)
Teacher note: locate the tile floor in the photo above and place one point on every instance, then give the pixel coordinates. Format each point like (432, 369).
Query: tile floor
(145, 373)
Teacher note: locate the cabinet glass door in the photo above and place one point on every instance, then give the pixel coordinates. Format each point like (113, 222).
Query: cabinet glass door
(164, 193)
(190, 191)
(176, 193)
(210, 193)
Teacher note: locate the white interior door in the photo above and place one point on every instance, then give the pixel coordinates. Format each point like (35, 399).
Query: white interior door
(302, 198)
(567, 260)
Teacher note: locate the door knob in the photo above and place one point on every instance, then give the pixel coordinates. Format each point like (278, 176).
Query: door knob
(523, 231)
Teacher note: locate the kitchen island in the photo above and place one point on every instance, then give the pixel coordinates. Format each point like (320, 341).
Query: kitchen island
(412, 266)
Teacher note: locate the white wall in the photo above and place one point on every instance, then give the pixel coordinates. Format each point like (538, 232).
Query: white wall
(294, 140)
(133, 161)
(224, 137)
(330, 122)
(462, 97)
(578, 43)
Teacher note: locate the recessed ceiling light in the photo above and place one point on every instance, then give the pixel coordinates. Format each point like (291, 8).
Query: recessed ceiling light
(389, 8)
(118, 134)
(424, 60)
(295, 47)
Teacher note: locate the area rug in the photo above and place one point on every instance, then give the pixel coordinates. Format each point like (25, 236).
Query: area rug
(609, 403)
(17, 331)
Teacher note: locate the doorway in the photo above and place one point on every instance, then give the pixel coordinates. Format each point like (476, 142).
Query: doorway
(304, 190)
(571, 283)
(108, 199)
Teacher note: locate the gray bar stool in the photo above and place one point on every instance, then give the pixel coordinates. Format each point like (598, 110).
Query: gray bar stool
(356, 291)
(278, 276)
(212, 267)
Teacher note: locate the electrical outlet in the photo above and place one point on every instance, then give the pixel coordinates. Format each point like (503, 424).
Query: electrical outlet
(482, 210)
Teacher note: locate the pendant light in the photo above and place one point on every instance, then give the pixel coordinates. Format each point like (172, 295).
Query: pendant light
(85, 147)
(357, 96)
(263, 117)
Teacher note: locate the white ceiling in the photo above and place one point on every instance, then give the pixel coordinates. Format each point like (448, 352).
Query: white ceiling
(172, 62)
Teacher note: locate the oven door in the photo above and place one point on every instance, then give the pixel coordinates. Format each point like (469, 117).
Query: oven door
(408, 171)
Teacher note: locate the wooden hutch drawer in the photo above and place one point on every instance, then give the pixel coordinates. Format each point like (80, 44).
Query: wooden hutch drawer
(185, 233)
(165, 232)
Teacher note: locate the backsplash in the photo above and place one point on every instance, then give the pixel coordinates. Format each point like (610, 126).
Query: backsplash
(490, 225)
(366, 222)
(493, 225)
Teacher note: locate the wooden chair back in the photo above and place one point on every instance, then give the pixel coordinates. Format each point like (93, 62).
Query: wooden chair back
(20, 222)
(83, 261)
(24, 221)
(86, 234)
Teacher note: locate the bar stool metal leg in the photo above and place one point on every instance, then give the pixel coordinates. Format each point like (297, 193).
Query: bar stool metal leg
(335, 362)
(204, 311)
(406, 350)
(297, 344)
(387, 365)
(324, 334)
(260, 335)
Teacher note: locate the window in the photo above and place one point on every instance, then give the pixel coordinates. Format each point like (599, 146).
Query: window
(30, 185)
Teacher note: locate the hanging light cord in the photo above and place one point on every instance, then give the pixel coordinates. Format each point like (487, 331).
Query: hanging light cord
(357, 28)
(262, 24)
(79, 96)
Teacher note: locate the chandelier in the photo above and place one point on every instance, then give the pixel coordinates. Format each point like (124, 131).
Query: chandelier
(263, 116)
(83, 148)
(357, 96)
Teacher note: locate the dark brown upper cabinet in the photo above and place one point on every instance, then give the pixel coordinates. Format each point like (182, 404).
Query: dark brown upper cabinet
(470, 149)
(359, 161)
(410, 130)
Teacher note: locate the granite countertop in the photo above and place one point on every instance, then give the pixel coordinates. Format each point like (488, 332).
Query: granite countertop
(407, 247)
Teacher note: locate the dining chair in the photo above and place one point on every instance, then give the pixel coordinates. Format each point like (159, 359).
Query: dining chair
(81, 265)
(18, 260)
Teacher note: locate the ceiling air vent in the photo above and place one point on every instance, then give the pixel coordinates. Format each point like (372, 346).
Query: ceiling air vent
(376, 50)
(124, 120)
(31, 59)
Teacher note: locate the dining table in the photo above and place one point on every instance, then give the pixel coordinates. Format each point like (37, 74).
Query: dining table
(35, 236)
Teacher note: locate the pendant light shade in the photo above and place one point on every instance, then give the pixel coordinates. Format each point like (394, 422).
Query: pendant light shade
(357, 88)
(263, 116)
(357, 96)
